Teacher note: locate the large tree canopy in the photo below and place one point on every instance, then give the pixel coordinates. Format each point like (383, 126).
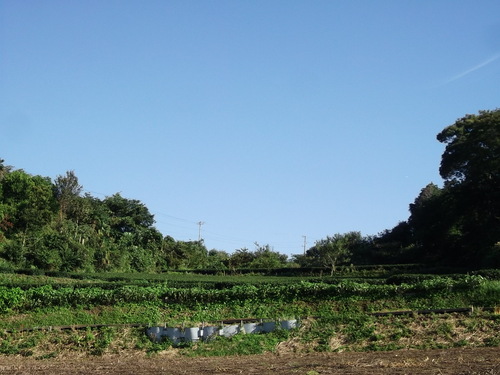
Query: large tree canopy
(29, 199)
(128, 214)
(466, 215)
(471, 166)
(459, 224)
(472, 154)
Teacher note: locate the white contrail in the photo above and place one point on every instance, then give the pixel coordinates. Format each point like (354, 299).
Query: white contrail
(473, 69)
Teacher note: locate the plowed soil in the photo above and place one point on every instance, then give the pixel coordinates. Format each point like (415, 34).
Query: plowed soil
(477, 361)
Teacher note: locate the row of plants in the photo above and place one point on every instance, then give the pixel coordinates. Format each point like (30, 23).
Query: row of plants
(477, 289)
(344, 271)
(26, 280)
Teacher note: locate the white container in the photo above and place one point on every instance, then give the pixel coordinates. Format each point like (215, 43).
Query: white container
(268, 327)
(229, 331)
(192, 334)
(252, 327)
(289, 324)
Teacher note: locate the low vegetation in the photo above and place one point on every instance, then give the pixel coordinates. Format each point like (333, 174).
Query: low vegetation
(335, 313)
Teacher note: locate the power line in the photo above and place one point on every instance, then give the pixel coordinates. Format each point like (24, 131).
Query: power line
(233, 241)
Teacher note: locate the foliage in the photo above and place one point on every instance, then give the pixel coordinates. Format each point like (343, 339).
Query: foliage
(459, 224)
(471, 167)
(265, 258)
(340, 307)
(472, 149)
(52, 227)
(66, 191)
(239, 345)
(454, 291)
(334, 250)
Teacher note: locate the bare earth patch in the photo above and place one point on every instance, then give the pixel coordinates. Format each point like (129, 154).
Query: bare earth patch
(459, 361)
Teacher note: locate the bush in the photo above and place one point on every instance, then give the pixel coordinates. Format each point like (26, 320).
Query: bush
(490, 274)
(408, 278)
(10, 298)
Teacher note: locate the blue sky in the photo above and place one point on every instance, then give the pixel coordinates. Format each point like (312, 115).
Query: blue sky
(266, 120)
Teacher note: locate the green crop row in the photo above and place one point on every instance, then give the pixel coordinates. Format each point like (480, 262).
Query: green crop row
(27, 280)
(484, 291)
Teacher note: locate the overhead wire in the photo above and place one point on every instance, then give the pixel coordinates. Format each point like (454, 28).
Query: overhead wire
(188, 229)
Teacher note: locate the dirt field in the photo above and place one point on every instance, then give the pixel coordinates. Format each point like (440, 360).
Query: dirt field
(477, 361)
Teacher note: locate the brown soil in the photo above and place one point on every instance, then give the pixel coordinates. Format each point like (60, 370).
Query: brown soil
(477, 361)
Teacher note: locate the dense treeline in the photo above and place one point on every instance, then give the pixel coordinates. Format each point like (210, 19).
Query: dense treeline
(51, 225)
(458, 224)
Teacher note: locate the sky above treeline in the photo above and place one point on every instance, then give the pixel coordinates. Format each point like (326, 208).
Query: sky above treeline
(266, 121)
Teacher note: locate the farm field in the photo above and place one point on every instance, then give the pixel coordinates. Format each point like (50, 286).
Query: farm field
(466, 361)
(376, 321)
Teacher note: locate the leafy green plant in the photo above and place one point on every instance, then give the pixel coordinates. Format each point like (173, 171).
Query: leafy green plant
(239, 344)
(10, 298)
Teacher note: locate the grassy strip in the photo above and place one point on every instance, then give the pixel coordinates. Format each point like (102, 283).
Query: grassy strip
(463, 310)
(172, 314)
(340, 332)
(341, 305)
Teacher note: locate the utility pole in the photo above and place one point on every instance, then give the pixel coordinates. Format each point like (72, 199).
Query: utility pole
(305, 242)
(200, 223)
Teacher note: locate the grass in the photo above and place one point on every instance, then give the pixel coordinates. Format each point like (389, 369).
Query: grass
(488, 293)
(360, 333)
(341, 315)
(239, 344)
(340, 310)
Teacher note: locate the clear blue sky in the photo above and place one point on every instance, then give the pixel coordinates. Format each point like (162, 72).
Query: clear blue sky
(266, 120)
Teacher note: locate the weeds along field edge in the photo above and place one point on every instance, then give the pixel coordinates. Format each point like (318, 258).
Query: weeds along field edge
(350, 332)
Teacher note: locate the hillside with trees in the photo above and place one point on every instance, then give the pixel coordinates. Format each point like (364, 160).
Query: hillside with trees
(50, 225)
(458, 224)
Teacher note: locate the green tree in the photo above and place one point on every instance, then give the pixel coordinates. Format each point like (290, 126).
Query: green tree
(67, 190)
(4, 169)
(217, 260)
(241, 258)
(393, 246)
(183, 254)
(28, 200)
(127, 215)
(5, 220)
(432, 222)
(472, 153)
(266, 258)
(335, 250)
(470, 166)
